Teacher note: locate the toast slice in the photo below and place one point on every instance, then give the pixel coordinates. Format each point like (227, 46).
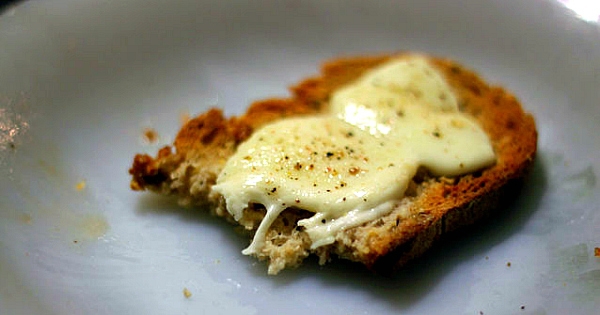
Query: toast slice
(432, 205)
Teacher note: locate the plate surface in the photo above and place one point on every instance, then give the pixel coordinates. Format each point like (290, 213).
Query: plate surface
(82, 80)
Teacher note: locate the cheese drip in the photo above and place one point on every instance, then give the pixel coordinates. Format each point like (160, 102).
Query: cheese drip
(354, 163)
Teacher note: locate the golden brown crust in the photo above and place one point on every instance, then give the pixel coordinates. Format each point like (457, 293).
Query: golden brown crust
(439, 205)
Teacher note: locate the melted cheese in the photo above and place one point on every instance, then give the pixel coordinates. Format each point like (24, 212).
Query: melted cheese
(353, 164)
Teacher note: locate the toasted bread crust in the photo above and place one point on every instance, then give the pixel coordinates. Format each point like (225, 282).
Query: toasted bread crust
(433, 206)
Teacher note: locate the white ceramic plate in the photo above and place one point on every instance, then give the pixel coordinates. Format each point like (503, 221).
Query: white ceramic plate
(81, 80)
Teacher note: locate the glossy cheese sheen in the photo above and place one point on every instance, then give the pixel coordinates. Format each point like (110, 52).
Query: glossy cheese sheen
(446, 141)
(353, 164)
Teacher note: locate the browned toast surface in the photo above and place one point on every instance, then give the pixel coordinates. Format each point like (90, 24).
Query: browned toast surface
(435, 206)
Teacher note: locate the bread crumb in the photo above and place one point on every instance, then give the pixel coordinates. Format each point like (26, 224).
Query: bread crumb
(80, 186)
(150, 135)
(487, 258)
(25, 218)
(522, 307)
(597, 251)
(508, 264)
(186, 293)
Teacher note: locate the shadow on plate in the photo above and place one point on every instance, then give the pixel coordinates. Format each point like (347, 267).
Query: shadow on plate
(415, 280)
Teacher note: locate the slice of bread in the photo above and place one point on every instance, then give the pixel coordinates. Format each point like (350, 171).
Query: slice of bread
(432, 206)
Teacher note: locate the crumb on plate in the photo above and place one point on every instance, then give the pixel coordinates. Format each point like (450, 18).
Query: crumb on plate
(186, 293)
(150, 135)
(80, 186)
(25, 218)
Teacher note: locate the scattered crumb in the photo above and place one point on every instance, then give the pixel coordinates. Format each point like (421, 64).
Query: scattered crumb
(80, 186)
(508, 264)
(480, 312)
(597, 251)
(150, 135)
(522, 307)
(75, 241)
(217, 261)
(186, 293)
(25, 218)
(184, 118)
(487, 258)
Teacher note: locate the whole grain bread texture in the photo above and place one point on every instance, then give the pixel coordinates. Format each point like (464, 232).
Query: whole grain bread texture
(432, 207)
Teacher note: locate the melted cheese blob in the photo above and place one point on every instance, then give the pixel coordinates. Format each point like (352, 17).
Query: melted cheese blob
(353, 164)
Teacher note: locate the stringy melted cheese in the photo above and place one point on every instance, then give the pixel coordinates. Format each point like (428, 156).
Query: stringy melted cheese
(353, 164)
